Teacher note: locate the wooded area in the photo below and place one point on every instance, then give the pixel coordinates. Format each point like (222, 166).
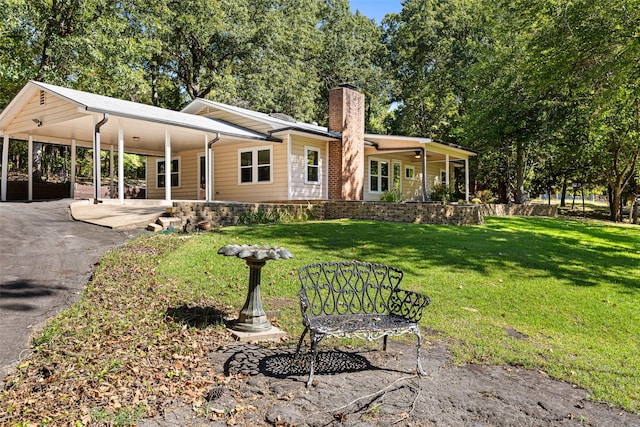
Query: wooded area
(548, 91)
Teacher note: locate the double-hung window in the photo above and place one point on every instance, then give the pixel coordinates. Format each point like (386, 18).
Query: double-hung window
(312, 170)
(378, 175)
(175, 173)
(256, 165)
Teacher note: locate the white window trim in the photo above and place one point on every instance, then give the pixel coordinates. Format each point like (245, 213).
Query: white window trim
(255, 150)
(306, 166)
(389, 177)
(413, 172)
(179, 173)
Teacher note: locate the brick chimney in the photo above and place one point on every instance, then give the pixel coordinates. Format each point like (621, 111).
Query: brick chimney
(346, 157)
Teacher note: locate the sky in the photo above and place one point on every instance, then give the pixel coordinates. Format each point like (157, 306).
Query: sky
(375, 9)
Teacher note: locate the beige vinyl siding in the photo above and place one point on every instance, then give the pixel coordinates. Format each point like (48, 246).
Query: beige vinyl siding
(54, 110)
(226, 169)
(189, 180)
(411, 188)
(299, 189)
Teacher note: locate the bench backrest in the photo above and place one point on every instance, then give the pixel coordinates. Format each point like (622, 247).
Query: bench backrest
(352, 287)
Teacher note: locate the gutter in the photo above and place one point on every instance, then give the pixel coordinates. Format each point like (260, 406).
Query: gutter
(96, 158)
(258, 136)
(424, 162)
(208, 167)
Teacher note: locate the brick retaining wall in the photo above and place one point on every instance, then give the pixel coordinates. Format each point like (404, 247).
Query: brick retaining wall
(225, 213)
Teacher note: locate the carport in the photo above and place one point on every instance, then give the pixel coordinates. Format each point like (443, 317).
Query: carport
(52, 114)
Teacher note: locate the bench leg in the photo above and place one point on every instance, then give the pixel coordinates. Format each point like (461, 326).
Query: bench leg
(315, 339)
(419, 364)
(304, 333)
(384, 343)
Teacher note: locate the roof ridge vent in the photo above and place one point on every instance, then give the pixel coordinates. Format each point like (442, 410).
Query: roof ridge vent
(283, 116)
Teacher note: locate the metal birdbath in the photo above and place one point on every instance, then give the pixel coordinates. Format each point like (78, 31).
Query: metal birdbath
(252, 318)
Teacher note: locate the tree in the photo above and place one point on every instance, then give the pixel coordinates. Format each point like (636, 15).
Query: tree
(352, 52)
(588, 54)
(432, 45)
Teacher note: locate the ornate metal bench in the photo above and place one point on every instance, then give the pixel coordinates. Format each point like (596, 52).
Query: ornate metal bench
(356, 299)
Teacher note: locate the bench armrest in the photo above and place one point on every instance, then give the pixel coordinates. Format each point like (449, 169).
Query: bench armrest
(408, 304)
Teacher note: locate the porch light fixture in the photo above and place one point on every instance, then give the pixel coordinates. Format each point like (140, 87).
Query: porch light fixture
(136, 138)
(418, 155)
(38, 122)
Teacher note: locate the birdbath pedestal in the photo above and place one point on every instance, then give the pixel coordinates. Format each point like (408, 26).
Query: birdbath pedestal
(252, 320)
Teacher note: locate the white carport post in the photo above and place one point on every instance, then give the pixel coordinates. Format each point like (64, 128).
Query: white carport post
(5, 168)
(121, 163)
(30, 168)
(112, 188)
(466, 179)
(167, 165)
(73, 168)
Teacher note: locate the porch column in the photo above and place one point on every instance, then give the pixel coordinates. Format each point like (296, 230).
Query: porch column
(446, 170)
(5, 168)
(121, 163)
(167, 165)
(466, 179)
(111, 172)
(424, 175)
(30, 168)
(73, 168)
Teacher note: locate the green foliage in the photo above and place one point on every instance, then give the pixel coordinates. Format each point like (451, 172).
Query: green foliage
(277, 215)
(441, 193)
(433, 44)
(393, 195)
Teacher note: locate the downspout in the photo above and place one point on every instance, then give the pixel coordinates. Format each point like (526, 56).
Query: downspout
(424, 162)
(96, 158)
(208, 171)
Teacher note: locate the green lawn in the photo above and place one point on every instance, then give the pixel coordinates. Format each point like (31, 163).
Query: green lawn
(552, 294)
(556, 295)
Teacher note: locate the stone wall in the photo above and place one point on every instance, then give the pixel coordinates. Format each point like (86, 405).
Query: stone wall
(225, 213)
(519, 210)
(420, 213)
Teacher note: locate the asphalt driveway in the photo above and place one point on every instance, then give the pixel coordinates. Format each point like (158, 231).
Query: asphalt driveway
(46, 258)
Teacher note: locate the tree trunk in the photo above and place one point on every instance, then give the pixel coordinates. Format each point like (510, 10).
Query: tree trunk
(519, 173)
(154, 84)
(563, 197)
(615, 199)
(37, 161)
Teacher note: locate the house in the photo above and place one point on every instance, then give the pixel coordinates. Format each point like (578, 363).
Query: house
(213, 151)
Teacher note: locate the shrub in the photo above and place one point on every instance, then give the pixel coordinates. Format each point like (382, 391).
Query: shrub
(441, 193)
(394, 195)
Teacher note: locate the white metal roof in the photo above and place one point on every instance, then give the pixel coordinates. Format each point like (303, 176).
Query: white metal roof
(134, 110)
(275, 123)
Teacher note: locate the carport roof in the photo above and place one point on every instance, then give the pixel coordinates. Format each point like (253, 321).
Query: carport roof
(128, 110)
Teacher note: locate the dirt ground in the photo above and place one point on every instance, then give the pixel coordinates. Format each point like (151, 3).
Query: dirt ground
(374, 388)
